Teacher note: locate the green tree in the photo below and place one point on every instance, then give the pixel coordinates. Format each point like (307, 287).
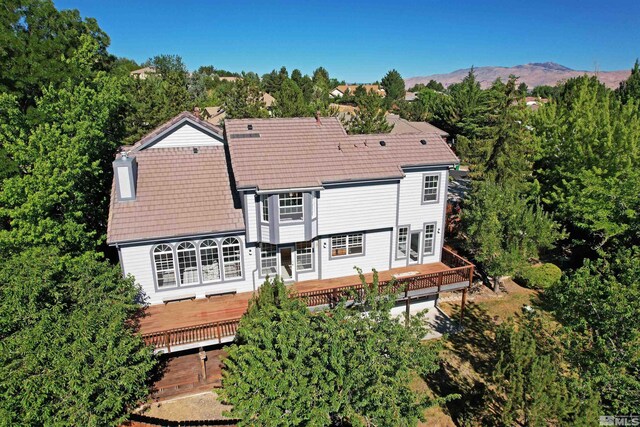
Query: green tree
(244, 100)
(69, 352)
(523, 89)
(630, 88)
(37, 41)
(598, 306)
(544, 91)
(272, 82)
(465, 120)
(320, 78)
(370, 116)
(503, 229)
(510, 146)
(533, 388)
(160, 96)
(61, 196)
(393, 84)
(589, 165)
(291, 367)
(290, 101)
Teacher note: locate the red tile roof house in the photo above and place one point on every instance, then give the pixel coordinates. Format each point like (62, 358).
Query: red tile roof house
(200, 218)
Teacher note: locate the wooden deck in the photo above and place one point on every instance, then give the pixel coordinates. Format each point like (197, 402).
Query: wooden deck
(188, 324)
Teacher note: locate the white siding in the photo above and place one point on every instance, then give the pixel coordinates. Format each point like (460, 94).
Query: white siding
(291, 233)
(186, 136)
(358, 207)
(137, 261)
(413, 213)
(249, 206)
(376, 248)
(264, 229)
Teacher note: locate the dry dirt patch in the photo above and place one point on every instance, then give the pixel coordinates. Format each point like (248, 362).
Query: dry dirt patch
(203, 406)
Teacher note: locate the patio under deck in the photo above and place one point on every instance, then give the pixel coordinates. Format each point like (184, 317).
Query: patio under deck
(190, 324)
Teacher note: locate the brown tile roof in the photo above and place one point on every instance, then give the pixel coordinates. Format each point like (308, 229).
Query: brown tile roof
(369, 88)
(179, 193)
(292, 153)
(402, 126)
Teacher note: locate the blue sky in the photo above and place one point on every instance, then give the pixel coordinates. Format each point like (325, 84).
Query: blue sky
(361, 41)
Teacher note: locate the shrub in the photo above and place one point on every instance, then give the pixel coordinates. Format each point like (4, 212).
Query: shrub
(539, 276)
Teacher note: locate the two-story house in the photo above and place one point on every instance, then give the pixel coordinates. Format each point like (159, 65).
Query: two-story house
(201, 215)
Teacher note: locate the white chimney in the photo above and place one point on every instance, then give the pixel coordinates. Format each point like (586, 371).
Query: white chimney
(125, 171)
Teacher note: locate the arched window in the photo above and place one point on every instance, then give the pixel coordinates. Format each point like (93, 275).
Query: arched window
(165, 270)
(231, 258)
(187, 263)
(210, 259)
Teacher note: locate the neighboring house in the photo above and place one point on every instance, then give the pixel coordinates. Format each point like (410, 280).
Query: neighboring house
(402, 127)
(268, 100)
(200, 215)
(534, 102)
(214, 115)
(230, 79)
(340, 90)
(143, 73)
(410, 96)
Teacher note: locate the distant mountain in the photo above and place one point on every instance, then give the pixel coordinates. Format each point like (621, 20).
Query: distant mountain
(533, 74)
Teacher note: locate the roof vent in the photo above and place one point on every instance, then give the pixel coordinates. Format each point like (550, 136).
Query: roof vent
(195, 150)
(423, 141)
(382, 143)
(249, 127)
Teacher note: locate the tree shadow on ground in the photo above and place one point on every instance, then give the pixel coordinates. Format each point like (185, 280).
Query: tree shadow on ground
(467, 368)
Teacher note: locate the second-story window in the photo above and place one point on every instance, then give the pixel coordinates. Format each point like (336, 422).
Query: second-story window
(265, 207)
(291, 207)
(430, 188)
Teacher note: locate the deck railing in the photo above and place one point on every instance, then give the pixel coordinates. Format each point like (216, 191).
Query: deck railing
(213, 331)
(460, 271)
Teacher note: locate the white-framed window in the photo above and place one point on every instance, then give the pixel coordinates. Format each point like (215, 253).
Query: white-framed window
(165, 269)
(304, 256)
(403, 233)
(231, 258)
(187, 263)
(430, 188)
(291, 206)
(264, 199)
(347, 244)
(429, 238)
(210, 260)
(268, 259)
